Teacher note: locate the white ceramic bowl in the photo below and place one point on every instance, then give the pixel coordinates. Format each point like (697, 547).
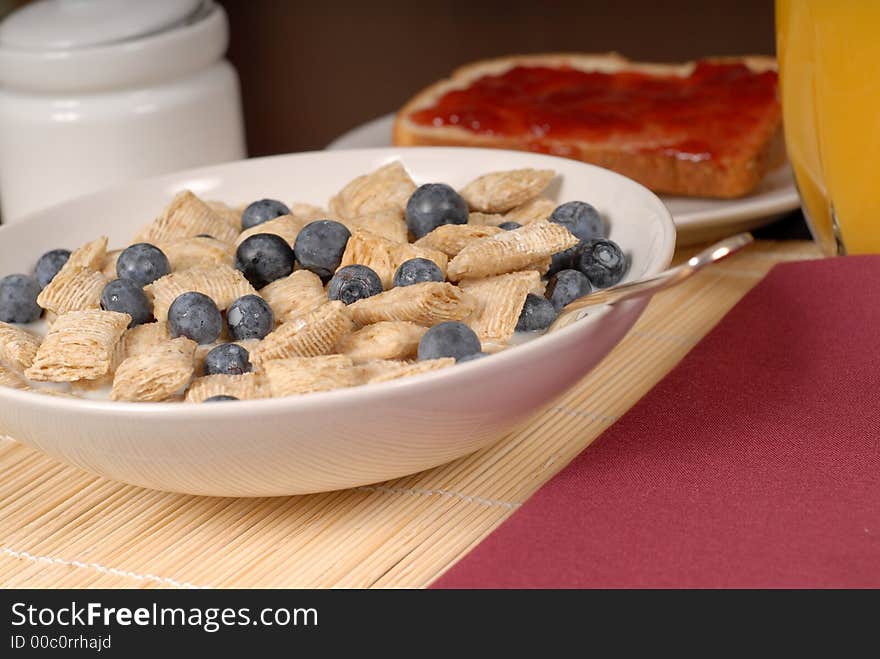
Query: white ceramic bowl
(342, 438)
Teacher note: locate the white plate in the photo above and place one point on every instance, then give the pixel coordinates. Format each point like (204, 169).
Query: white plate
(698, 220)
(342, 438)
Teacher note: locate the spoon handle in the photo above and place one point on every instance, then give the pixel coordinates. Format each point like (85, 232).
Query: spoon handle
(651, 285)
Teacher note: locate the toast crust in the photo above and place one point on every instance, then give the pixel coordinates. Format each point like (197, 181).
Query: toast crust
(729, 177)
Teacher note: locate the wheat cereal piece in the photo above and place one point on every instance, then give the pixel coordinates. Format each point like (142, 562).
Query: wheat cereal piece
(509, 251)
(491, 347)
(108, 268)
(388, 223)
(541, 265)
(500, 192)
(73, 289)
(367, 370)
(247, 386)
(143, 338)
(308, 212)
(91, 255)
(18, 347)
(155, 375)
(200, 355)
(385, 256)
(535, 210)
(383, 340)
(427, 304)
(104, 383)
(311, 335)
(82, 388)
(10, 378)
(199, 251)
(500, 301)
(485, 219)
(230, 214)
(375, 252)
(539, 285)
(52, 389)
(406, 369)
(389, 186)
(79, 283)
(80, 345)
(452, 238)
(300, 292)
(539, 208)
(303, 375)
(188, 216)
(380, 370)
(222, 283)
(286, 226)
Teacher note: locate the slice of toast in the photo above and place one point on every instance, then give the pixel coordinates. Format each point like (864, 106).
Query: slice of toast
(710, 128)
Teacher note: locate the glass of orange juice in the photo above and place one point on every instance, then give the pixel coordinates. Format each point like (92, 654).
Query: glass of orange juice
(829, 68)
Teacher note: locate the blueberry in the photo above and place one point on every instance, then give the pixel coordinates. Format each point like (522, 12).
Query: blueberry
(566, 286)
(510, 226)
(319, 247)
(537, 314)
(18, 299)
(584, 222)
(219, 398)
(579, 217)
(249, 317)
(196, 317)
(434, 204)
(473, 357)
(564, 260)
(449, 339)
(262, 211)
(125, 296)
(353, 283)
(603, 262)
(227, 359)
(263, 258)
(142, 263)
(416, 271)
(49, 264)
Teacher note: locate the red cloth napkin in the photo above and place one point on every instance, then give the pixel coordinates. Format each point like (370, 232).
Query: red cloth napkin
(754, 463)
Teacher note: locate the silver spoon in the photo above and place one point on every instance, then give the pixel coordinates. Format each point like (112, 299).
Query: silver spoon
(651, 285)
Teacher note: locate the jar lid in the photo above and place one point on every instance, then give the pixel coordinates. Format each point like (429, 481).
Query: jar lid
(72, 24)
(150, 59)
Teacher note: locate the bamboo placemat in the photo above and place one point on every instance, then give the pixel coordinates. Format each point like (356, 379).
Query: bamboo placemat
(61, 527)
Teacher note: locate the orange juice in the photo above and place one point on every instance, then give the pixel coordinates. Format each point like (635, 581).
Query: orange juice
(829, 66)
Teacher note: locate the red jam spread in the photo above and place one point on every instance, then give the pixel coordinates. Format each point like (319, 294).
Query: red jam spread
(705, 115)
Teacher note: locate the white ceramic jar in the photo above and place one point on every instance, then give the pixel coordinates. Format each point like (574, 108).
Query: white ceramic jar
(96, 92)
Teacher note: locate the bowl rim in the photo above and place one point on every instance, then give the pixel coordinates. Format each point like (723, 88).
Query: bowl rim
(337, 396)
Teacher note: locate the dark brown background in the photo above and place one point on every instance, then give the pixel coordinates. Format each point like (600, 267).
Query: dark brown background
(312, 70)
